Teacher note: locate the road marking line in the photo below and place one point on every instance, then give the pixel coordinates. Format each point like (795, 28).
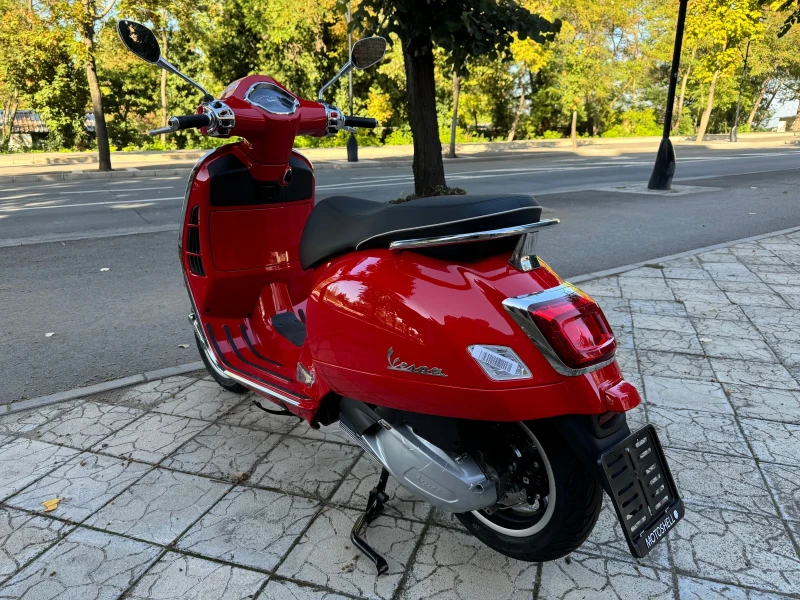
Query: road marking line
(168, 187)
(17, 209)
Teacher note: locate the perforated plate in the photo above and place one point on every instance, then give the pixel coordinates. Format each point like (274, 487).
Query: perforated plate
(642, 490)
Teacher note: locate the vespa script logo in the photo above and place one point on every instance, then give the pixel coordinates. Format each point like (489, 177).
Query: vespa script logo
(398, 365)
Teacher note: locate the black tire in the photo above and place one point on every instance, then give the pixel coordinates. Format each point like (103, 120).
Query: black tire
(578, 501)
(226, 382)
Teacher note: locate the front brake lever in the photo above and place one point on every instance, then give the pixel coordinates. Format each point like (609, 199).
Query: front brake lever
(160, 130)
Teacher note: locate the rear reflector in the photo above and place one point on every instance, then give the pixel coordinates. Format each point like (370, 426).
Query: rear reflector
(575, 328)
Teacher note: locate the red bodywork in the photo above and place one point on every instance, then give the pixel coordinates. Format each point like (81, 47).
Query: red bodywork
(360, 305)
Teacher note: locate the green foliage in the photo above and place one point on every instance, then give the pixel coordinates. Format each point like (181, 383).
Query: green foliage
(635, 123)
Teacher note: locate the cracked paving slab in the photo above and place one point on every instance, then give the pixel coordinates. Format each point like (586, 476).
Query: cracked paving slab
(773, 442)
(26, 422)
(667, 341)
(146, 395)
(24, 461)
(326, 433)
(289, 590)
(222, 451)
(757, 550)
(325, 556)
(765, 403)
(784, 481)
(160, 506)
(86, 565)
(308, 467)
(151, 438)
(84, 484)
(698, 430)
(245, 414)
(454, 565)
(203, 399)
(23, 537)
(720, 481)
(752, 373)
(670, 393)
(355, 489)
(86, 424)
(676, 366)
(738, 348)
(250, 527)
(179, 577)
(584, 576)
(690, 588)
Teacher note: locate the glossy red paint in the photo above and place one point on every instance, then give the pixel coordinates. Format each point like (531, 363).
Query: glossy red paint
(373, 318)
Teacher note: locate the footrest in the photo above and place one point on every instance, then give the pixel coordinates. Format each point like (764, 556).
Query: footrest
(642, 490)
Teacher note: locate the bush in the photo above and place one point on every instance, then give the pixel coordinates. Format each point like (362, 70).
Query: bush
(552, 135)
(635, 123)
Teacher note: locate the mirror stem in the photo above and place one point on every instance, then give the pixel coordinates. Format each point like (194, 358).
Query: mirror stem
(343, 71)
(167, 66)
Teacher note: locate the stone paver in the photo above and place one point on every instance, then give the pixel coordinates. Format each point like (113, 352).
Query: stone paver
(176, 489)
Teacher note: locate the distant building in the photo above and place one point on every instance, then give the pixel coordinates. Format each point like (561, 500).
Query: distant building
(28, 128)
(785, 123)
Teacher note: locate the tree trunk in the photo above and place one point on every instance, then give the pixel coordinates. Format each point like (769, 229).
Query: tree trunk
(9, 114)
(574, 133)
(103, 150)
(757, 103)
(520, 106)
(427, 165)
(701, 132)
(684, 81)
(164, 88)
(454, 125)
(796, 123)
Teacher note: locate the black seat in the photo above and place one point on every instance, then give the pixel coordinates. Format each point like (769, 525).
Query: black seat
(342, 224)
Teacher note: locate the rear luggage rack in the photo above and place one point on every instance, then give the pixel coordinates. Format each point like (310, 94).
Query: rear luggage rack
(477, 236)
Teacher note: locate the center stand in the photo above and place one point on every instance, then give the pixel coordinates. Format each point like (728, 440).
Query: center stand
(375, 503)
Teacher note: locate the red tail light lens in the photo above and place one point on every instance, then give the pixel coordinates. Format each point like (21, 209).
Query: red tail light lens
(576, 329)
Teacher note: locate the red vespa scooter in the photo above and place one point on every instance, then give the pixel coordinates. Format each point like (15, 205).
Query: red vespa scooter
(430, 330)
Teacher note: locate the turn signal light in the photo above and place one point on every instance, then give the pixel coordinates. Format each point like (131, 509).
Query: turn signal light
(576, 329)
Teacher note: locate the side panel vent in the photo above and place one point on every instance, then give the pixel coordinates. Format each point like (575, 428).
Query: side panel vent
(193, 243)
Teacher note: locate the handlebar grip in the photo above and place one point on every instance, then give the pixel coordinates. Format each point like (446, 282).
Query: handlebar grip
(365, 122)
(190, 122)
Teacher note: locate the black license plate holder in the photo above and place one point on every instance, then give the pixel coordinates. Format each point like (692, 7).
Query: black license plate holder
(642, 490)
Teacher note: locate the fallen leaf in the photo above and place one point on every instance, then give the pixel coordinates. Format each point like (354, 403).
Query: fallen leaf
(51, 334)
(183, 345)
(104, 269)
(51, 505)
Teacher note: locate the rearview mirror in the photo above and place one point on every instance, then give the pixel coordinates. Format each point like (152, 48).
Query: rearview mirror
(367, 52)
(143, 43)
(140, 40)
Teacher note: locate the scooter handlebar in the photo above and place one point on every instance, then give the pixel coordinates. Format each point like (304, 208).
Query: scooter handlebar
(364, 122)
(183, 122)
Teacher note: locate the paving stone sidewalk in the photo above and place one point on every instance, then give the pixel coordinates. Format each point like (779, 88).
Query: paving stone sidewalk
(175, 489)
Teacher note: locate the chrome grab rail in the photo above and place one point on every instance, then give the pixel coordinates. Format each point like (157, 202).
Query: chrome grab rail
(477, 236)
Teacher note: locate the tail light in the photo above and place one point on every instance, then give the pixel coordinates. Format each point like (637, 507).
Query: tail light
(576, 329)
(567, 326)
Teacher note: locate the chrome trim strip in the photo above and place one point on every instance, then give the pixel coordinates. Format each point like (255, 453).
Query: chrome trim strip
(358, 246)
(477, 236)
(518, 307)
(265, 84)
(212, 359)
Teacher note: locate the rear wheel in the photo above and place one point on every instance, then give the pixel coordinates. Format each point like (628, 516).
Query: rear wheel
(553, 522)
(226, 382)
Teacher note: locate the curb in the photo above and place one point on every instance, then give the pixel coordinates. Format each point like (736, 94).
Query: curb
(114, 384)
(106, 386)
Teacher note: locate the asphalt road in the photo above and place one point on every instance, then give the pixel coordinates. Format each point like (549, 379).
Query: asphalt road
(116, 304)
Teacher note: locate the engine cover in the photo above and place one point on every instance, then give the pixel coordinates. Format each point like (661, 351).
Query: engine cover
(454, 484)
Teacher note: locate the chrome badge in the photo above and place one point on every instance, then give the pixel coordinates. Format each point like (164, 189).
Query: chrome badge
(397, 365)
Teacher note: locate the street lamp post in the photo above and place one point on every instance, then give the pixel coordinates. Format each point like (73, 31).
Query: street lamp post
(352, 142)
(664, 169)
(741, 86)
